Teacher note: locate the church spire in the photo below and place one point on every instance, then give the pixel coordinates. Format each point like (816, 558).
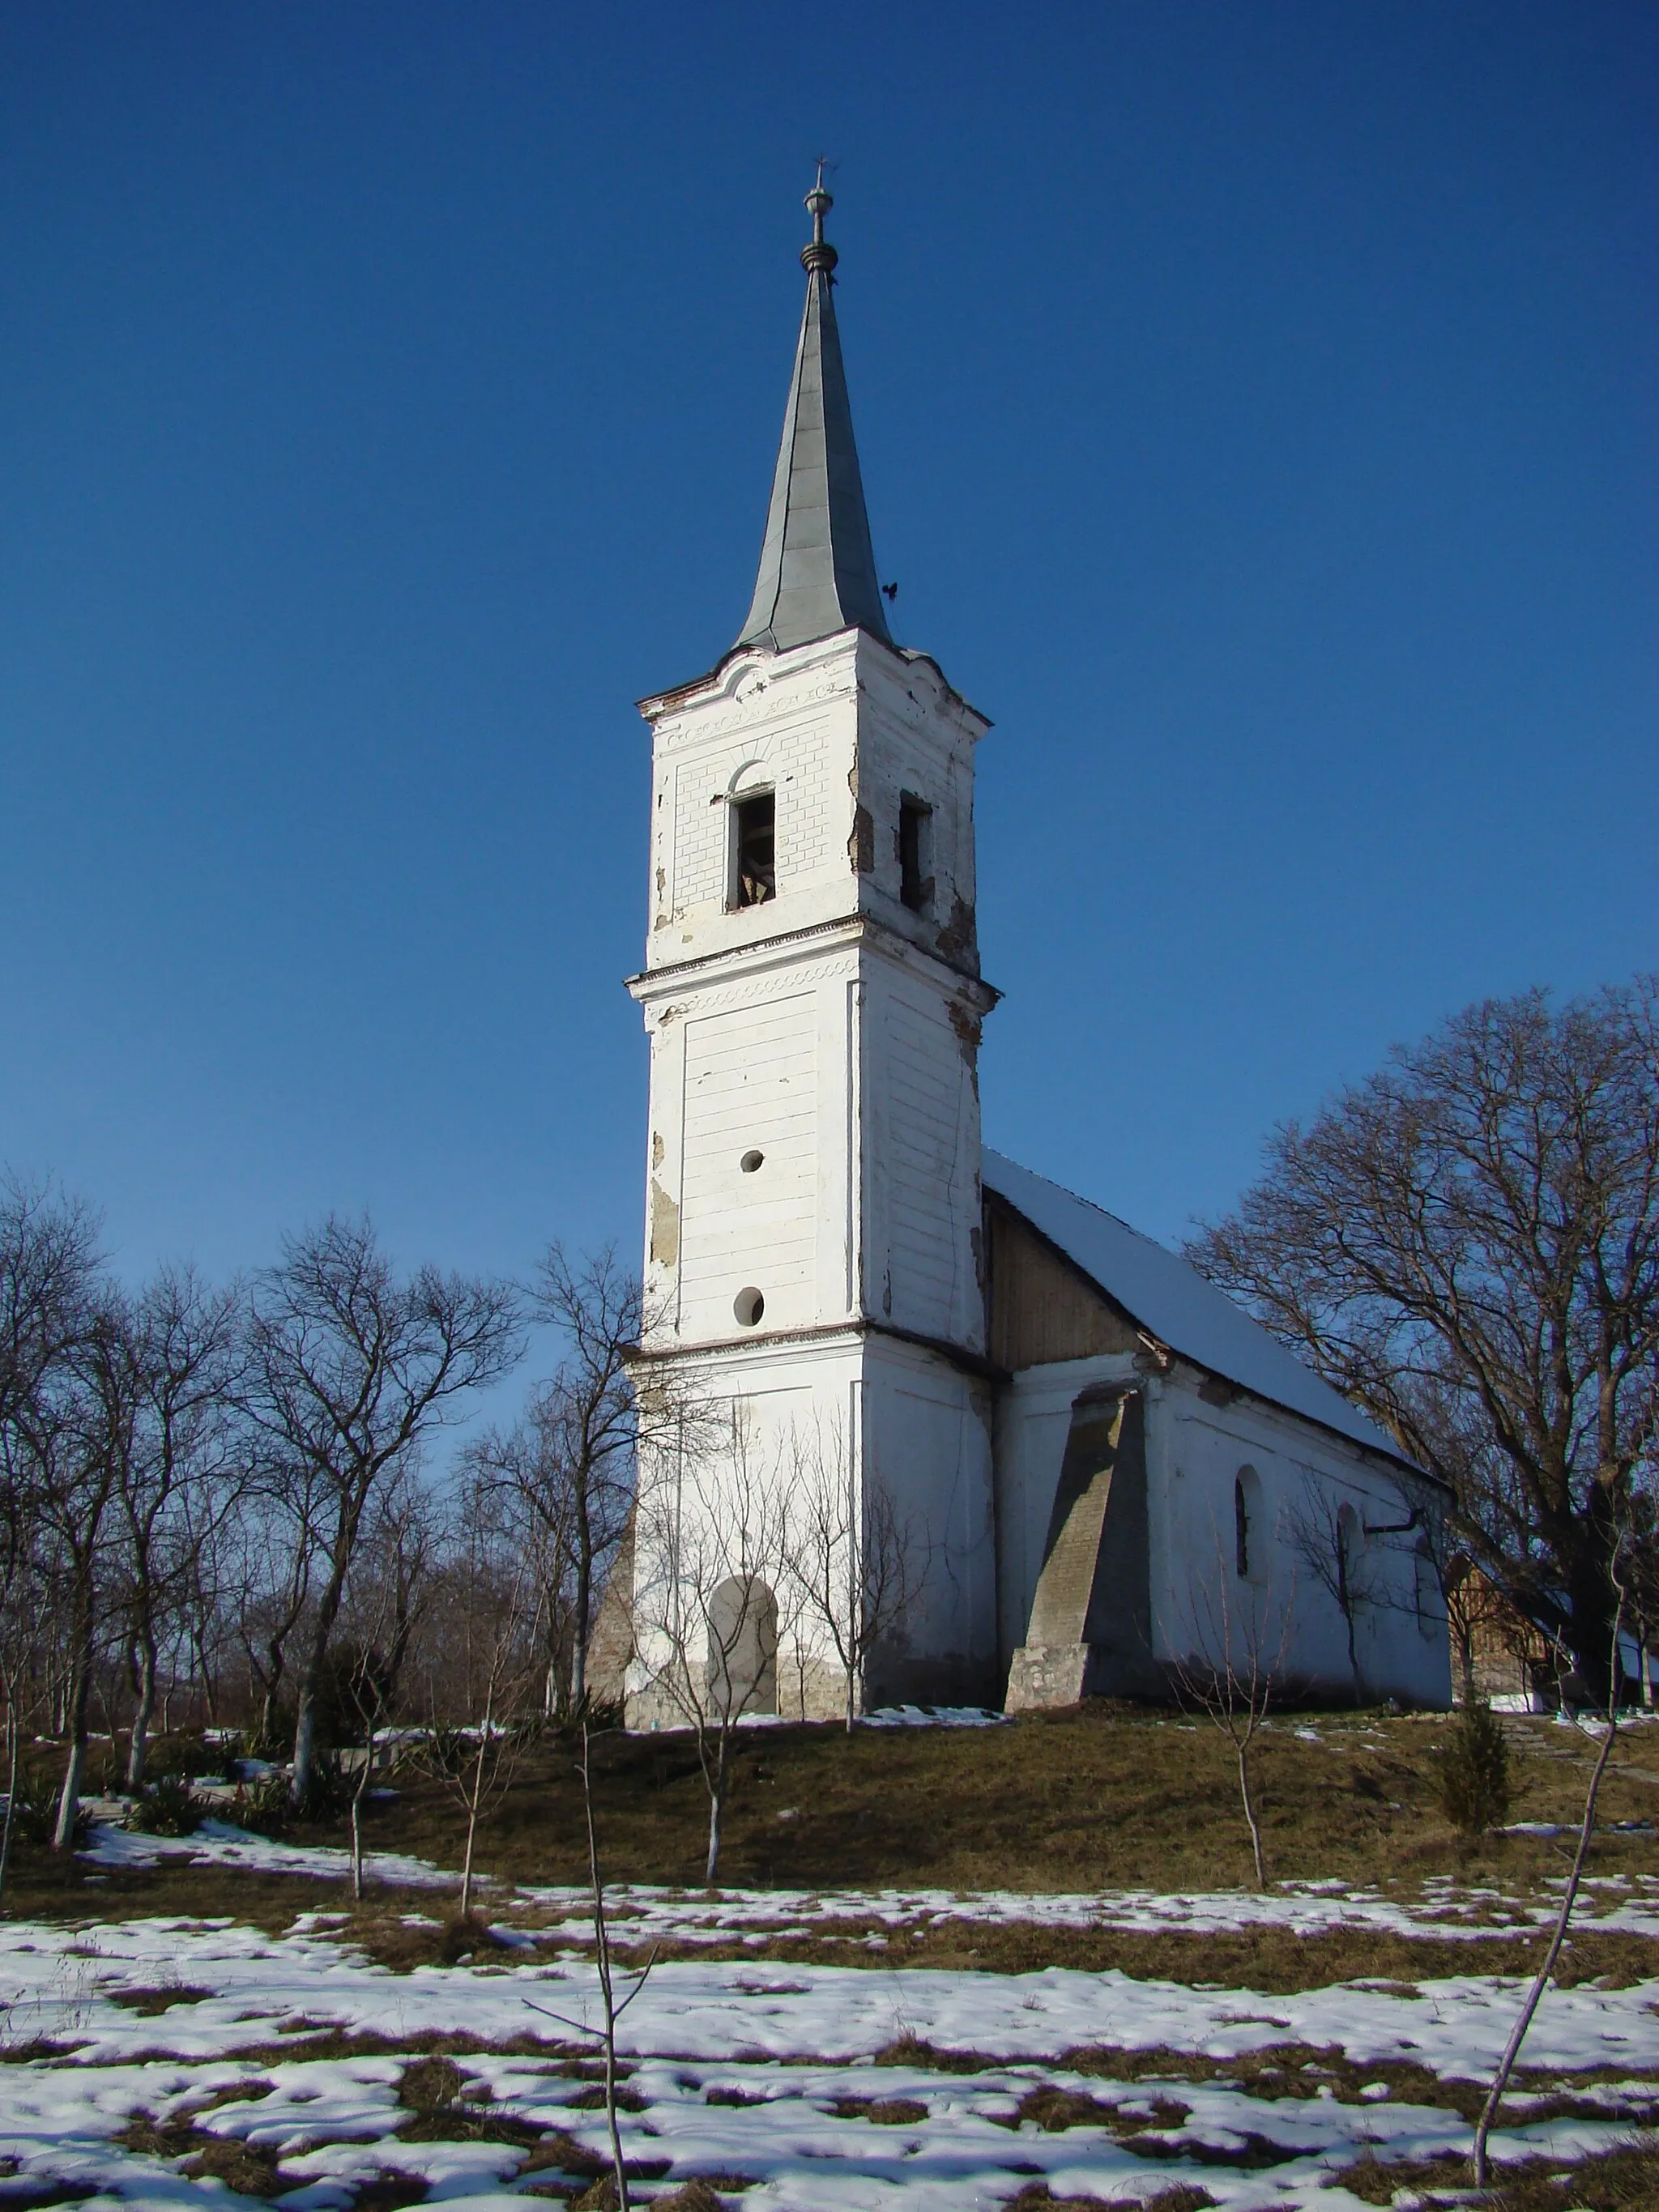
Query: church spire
(818, 569)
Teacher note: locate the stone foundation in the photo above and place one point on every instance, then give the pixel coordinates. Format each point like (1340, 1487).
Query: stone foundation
(1045, 1674)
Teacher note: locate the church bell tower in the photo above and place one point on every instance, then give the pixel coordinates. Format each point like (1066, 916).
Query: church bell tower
(812, 1000)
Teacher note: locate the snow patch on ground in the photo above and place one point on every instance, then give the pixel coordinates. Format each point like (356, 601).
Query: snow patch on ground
(933, 1717)
(645, 1913)
(709, 2041)
(217, 1844)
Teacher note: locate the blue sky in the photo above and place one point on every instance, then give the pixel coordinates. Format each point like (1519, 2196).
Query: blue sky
(1256, 407)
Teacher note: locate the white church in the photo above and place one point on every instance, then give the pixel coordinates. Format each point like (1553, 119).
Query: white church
(1104, 1474)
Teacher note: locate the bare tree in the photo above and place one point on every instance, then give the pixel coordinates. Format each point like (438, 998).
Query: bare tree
(611, 2007)
(386, 1595)
(1240, 1634)
(1569, 1895)
(855, 1563)
(48, 1265)
(81, 1441)
(710, 1550)
(56, 1456)
(475, 1763)
(1641, 1577)
(1328, 1537)
(281, 1534)
(20, 1612)
(523, 1474)
(1467, 1245)
(350, 1370)
(182, 1476)
(586, 1420)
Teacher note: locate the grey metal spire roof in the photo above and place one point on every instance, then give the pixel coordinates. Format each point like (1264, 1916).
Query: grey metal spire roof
(817, 569)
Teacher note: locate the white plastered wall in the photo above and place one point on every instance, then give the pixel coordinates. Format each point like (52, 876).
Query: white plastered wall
(1194, 1453)
(1306, 1475)
(832, 728)
(755, 1054)
(927, 1430)
(864, 1411)
(832, 1032)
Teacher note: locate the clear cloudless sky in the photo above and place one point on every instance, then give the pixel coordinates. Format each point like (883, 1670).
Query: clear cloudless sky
(1257, 409)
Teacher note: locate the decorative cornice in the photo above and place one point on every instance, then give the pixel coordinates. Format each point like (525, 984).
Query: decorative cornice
(854, 1331)
(788, 946)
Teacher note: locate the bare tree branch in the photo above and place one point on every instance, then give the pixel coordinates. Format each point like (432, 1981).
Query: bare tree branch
(1467, 1245)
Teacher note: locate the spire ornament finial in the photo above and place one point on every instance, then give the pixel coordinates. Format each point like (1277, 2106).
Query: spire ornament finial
(819, 254)
(817, 570)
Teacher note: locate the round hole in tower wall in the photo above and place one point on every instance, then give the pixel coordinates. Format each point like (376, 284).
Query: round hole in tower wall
(749, 1305)
(751, 1161)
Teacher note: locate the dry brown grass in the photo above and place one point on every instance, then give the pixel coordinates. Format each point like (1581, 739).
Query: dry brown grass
(1275, 1961)
(1076, 1801)
(249, 2172)
(1053, 2109)
(443, 2107)
(702, 2193)
(1623, 2179)
(1101, 1796)
(884, 2112)
(1276, 2071)
(1185, 2197)
(150, 2003)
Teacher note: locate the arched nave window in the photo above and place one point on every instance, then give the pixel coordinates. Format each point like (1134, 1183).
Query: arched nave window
(1351, 1567)
(1249, 1530)
(1429, 1606)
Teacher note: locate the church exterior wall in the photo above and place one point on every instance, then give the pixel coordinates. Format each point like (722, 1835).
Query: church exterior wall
(869, 1413)
(713, 1487)
(1300, 1478)
(928, 1429)
(1306, 1477)
(813, 1204)
(920, 1149)
(751, 1057)
(841, 730)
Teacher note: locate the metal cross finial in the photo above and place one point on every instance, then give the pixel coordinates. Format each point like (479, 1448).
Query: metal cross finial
(819, 254)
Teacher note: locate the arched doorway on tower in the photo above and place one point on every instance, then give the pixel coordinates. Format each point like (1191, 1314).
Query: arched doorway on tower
(743, 1646)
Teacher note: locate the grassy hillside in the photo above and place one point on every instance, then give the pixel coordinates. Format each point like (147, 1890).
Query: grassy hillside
(1082, 1800)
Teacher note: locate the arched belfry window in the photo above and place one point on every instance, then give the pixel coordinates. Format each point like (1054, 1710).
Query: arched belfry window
(753, 849)
(1250, 1534)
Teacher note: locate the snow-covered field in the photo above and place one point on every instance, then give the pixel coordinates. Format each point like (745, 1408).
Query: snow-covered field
(865, 2086)
(641, 1914)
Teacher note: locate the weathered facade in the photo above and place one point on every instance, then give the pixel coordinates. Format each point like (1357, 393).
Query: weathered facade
(834, 1265)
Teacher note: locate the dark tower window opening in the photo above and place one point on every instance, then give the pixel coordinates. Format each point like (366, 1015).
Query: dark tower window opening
(1241, 1531)
(754, 842)
(915, 884)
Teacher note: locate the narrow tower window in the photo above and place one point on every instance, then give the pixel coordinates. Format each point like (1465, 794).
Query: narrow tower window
(754, 843)
(915, 884)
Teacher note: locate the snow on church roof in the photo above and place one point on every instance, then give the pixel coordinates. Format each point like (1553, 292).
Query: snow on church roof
(1173, 1302)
